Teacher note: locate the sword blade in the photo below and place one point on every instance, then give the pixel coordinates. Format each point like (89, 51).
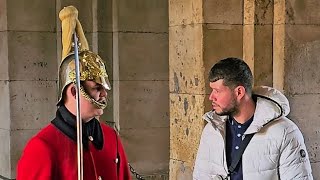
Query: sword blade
(79, 121)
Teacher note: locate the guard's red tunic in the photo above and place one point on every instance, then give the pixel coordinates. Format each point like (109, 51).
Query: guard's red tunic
(51, 155)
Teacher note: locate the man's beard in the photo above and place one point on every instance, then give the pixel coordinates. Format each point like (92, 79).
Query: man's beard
(231, 110)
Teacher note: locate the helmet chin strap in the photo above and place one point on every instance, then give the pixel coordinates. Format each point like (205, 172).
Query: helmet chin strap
(92, 100)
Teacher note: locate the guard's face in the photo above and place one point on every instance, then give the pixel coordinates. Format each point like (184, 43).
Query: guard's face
(223, 99)
(97, 92)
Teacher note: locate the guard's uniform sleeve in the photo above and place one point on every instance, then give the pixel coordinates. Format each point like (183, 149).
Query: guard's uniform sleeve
(35, 162)
(294, 158)
(124, 173)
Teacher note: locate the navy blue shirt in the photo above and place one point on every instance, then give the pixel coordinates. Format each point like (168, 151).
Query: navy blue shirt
(234, 133)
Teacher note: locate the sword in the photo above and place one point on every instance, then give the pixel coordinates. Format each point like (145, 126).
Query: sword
(79, 120)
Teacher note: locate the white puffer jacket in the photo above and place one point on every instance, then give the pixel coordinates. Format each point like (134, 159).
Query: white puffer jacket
(276, 151)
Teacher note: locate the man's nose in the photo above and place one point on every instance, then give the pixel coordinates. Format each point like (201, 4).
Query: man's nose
(103, 92)
(212, 97)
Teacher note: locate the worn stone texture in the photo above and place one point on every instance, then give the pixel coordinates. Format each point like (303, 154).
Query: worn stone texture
(263, 64)
(278, 56)
(264, 12)
(4, 68)
(186, 124)
(36, 16)
(304, 112)
(19, 139)
(4, 105)
(180, 170)
(92, 38)
(143, 56)
(30, 110)
(144, 104)
(5, 149)
(184, 12)
(223, 12)
(248, 12)
(186, 71)
(302, 59)
(143, 15)
(105, 15)
(147, 149)
(220, 41)
(304, 12)
(155, 177)
(315, 170)
(32, 56)
(3, 15)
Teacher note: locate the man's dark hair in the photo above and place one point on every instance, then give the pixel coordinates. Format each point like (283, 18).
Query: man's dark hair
(234, 72)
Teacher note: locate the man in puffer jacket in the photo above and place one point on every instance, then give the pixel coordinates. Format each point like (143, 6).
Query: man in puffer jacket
(276, 150)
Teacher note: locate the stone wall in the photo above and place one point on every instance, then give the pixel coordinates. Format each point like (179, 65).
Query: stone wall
(278, 39)
(158, 54)
(131, 36)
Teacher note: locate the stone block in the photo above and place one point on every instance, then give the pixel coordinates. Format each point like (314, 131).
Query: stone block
(87, 13)
(315, 170)
(304, 112)
(143, 104)
(4, 73)
(19, 139)
(3, 15)
(186, 125)
(105, 50)
(142, 15)
(248, 12)
(264, 12)
(303, 12)
(164, 176)
(182, 12)
(279, 9)
(4, 105)
(223, 12)
(302, 63)
(220, 42)
(37, 15)
(5, 169)
(186, 72)
(180, 170)
(263, 49)
(143, 56)
(147, 149)
(105, 15)
(278, 56)
(92, 38)
(32, 56)
(33, 103)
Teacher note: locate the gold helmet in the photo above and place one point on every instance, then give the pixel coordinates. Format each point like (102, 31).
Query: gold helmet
(91, 65)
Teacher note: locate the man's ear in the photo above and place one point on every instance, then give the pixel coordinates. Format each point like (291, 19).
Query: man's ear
(73, 90)
(240, 92)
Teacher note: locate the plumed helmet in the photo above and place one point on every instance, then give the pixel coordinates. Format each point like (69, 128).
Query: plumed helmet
(91, 65)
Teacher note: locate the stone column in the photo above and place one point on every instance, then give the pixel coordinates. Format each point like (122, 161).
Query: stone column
(201, 33)
(28, 75)
(140, 79)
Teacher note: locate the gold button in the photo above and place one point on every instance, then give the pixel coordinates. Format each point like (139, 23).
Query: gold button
(99, 178)
(90, 138)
